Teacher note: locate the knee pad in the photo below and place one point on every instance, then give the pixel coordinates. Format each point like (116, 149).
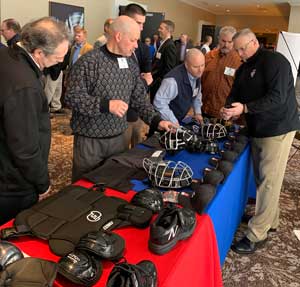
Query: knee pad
(104, 245)
(80, 268)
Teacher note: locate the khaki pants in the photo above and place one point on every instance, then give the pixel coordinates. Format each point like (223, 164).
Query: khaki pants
(53, 91)
(269, 157)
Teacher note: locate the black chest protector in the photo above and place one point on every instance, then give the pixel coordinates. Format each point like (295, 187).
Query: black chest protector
(65, 217)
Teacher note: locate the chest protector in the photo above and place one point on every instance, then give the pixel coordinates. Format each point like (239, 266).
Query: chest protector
(65, 217)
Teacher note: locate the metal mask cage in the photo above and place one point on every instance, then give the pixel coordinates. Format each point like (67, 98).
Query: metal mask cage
(168, 174)
(176, 139)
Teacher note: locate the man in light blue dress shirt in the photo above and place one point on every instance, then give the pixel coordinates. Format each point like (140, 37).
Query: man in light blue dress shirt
(181, 89)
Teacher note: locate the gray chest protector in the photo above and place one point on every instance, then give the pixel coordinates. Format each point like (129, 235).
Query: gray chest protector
(65, 217)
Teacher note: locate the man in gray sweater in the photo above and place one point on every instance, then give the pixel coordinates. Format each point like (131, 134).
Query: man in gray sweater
(101, 87)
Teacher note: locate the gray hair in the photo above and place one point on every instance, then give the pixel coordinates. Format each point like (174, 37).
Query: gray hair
(227, 30)
(191, 53)
(244, 32)
(12, 24)
(45, 34)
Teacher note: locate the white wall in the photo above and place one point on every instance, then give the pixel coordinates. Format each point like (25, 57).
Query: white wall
(96, 12)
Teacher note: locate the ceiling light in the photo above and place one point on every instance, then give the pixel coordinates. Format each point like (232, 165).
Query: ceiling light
(227, 10)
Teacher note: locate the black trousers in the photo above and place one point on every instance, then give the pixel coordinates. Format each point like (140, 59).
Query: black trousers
(11, 203)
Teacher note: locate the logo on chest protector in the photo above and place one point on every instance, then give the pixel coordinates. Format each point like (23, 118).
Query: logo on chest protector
(94, 216)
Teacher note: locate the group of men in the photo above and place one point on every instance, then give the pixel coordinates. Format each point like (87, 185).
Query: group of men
(109, 83)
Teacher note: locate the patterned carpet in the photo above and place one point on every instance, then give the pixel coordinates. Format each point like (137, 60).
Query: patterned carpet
(277, 264)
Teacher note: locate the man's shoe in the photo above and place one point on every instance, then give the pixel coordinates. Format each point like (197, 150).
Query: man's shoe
(245, 246)
(247, 217)
(143, 274)
(171, 225)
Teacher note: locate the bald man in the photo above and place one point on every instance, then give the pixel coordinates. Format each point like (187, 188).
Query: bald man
(180, 89)
(103, 84)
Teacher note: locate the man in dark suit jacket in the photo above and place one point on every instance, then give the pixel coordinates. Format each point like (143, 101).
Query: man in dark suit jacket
(165, 57)
(182, 46)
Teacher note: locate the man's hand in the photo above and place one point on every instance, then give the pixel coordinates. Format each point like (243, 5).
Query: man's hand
(166, 125)
(118, 107)
(199, 118)
(147, 77)
(234, 112)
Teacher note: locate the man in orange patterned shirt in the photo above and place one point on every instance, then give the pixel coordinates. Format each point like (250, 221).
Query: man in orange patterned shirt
(217, 79)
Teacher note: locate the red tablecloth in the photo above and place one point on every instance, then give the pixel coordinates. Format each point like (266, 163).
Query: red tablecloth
(193, 262)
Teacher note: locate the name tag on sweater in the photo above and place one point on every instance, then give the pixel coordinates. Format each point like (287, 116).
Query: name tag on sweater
(229, 71)
(122, 63)
(158, 55)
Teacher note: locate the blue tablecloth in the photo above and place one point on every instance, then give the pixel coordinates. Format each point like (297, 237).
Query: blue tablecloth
(227, 207)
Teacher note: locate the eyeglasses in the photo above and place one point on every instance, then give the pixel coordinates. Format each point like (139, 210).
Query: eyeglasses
(243, 49)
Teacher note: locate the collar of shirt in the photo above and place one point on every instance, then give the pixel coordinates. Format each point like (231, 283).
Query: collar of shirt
(193, 80)
(162, 43)
(20, 45)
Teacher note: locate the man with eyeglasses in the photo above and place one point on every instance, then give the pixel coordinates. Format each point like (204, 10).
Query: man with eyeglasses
(264, 91)
(10, 30)
(25, 129)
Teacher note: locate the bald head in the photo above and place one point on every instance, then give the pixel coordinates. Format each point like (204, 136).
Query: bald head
(123, 36)
(194, 62)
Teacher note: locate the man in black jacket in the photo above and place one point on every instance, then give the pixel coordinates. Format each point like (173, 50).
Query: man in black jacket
(264, 91)
(165, 57)
(141, 55)
(24, 115)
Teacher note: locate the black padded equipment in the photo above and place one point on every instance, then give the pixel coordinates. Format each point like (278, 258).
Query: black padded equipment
(149, 198)
(229, 155)
(29, 272)
(102, 244)
(225, 167)
(80, 268)
(68, 215)
(9, 253)
(142, 274)
(203, 194)
(213, 177)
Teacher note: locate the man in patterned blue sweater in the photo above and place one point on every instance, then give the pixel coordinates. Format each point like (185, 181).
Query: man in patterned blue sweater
(102, 85)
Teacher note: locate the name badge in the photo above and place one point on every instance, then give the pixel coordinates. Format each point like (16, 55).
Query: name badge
(229, 71)
(158, 55)
(195, 93)
(122, 63)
